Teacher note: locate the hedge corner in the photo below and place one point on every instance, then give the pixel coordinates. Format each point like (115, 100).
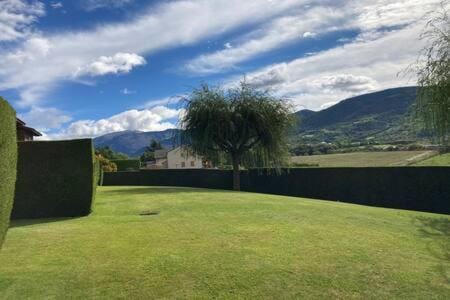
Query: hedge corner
(8, 163)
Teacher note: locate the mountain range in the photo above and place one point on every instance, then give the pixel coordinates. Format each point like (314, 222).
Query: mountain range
(133, 143)
(384, 116)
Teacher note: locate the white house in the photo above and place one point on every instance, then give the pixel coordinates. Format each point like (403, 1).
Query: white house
(179, 158)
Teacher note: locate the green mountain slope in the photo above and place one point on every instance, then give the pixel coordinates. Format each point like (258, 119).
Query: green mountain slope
(133, 143)
(383, 116)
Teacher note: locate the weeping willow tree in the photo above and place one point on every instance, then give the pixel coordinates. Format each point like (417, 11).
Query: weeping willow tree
(245, 125)
(433, 70)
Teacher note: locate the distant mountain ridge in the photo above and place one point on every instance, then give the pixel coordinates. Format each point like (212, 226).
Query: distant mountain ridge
(383, 116)
(133, 143)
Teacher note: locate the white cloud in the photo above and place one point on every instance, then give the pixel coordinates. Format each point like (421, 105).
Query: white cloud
(308, 34)
(118, 63)
(155, 119)
(228, 45)
(171, 100)
(368, 16)
(91, 5)
(34, 48)
(373, 14)
(344, 71)
(157, 28)
(126, 91)
(278, 33)
(31, 95)
(16, 17)
(328, 104)
(45, 119)
(56, 5)
(346, 83)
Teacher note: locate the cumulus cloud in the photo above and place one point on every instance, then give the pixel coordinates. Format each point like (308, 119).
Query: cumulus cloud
(271, 76)
(346, 83)
(308, 34)
(154, 119)
(118, 63)
(45, 119)
(16, 17)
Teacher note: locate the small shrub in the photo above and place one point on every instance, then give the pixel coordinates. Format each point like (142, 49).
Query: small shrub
(105, 164)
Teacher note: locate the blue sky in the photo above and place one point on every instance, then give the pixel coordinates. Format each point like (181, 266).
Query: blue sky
(89, 67)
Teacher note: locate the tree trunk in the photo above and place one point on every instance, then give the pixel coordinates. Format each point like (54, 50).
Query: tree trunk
(236, 175)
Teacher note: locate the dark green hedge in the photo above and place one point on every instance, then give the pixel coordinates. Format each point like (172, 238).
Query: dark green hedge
(8, 161)
(204, 178)
(55, 179)
(413, 188)
(127, 164)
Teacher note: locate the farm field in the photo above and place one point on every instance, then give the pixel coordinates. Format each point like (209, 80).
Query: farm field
(364, 159)
(203, 244)
(438, 160)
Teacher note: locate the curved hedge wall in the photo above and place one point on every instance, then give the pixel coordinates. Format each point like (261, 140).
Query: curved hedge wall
(413, 188)
(8, 161)
(55, 179)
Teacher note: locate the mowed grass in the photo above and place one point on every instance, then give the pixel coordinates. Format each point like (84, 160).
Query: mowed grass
(207, 244)
(436, 161)
(365, 159)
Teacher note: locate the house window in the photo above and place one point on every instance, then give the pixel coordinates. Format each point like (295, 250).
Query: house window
(192, 163)
(183, 164)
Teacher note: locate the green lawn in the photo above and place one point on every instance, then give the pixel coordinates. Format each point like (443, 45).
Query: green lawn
(207, 244)
(365, 159)
(438, 160)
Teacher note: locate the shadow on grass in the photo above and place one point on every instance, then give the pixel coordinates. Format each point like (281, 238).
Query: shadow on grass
(141, 190)
(28, 222)
(437, 231)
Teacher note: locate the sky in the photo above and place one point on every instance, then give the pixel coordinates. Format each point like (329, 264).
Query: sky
(85, 68)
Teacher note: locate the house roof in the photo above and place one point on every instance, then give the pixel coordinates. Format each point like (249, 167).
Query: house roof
(175, 149)
(32, 131)
(21, 125)
(19, 122)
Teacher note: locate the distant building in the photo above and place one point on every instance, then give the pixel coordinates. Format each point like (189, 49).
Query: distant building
(25, 133)
(179, 158)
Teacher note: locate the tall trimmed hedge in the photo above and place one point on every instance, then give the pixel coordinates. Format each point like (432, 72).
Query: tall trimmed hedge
(202, 178)
(127, 164)
(413, 188)
(55, 179)
(8, 161)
